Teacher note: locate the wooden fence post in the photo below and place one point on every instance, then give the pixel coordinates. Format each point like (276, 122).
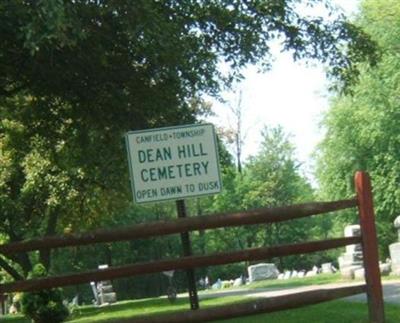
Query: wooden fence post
(370, 247)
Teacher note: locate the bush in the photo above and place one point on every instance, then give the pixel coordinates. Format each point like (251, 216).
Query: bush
(44, 306)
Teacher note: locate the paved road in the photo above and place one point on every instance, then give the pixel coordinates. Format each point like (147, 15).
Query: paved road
(391, 291)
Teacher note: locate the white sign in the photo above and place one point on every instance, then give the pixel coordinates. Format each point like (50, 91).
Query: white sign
(173, 163)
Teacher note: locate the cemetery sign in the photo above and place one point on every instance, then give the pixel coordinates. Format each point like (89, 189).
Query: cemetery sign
(173, 163)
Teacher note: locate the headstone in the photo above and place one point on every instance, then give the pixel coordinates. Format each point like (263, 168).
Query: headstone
(108, 298)
(13, 309)
(287, 275)
(352, 259)
(281, 276)
(103, 291)
(206, 282)
(359, 273)
(326, 268)
(394, 250)
(75, 300)
(384, 269)
(201, 283)
(294, 274)
(311, 273)
(262, 271)
(238, 282)
(94, 290)
(217, 284)
(348, 272)
(301, 274)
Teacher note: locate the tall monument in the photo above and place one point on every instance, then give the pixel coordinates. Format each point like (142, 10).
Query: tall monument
(394, 250)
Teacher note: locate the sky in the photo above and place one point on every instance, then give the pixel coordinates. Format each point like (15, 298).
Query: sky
(290, 94)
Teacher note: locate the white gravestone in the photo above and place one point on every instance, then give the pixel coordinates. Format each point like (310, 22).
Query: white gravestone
(262, 271)
(326, 268)
(287, 275)
(238, 282)
(359, 273)
(394, 250)
(352, 259)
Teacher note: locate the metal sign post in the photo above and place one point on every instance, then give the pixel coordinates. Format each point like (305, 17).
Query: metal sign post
(187, 251)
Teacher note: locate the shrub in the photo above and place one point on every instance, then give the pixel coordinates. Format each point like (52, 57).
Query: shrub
(44, 306)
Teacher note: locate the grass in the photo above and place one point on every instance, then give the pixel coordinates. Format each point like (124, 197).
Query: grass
(278, 284)
(297, 282)
(329, 312)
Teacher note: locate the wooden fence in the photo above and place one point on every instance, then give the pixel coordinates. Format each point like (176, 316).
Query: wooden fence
(368, 240)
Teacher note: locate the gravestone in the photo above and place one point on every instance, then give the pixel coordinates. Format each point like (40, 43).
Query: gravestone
(301, 274)
(349, 271)
(327, 268)
(311, 273)
(352, 259)
(359, 273)
(103, 291)
(262, 271)
(384, 269)
(287, 274)
(217, 284)
(394, 250)
(238, 282)
(94, 290)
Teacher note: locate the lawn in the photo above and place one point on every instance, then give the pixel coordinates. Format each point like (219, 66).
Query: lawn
(329, 312)
(333, 311)
(296, 282)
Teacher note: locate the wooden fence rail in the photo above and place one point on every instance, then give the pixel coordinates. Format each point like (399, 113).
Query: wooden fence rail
(160, 228)
(253, 307)
(182, 263)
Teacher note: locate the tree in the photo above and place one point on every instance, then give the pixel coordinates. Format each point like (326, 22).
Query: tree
(76, 75)
(234, 134)
(270, 178)
(362, 130)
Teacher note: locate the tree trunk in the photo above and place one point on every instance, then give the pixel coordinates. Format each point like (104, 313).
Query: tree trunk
(21, 258)
(10, 270)
(45, 255)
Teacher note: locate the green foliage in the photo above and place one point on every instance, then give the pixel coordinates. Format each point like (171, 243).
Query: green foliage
(271, 178)
(44, 306)
(87, 50)
(362, 128)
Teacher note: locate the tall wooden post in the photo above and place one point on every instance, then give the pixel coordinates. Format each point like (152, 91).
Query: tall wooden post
(187, 251)
(370, 248)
